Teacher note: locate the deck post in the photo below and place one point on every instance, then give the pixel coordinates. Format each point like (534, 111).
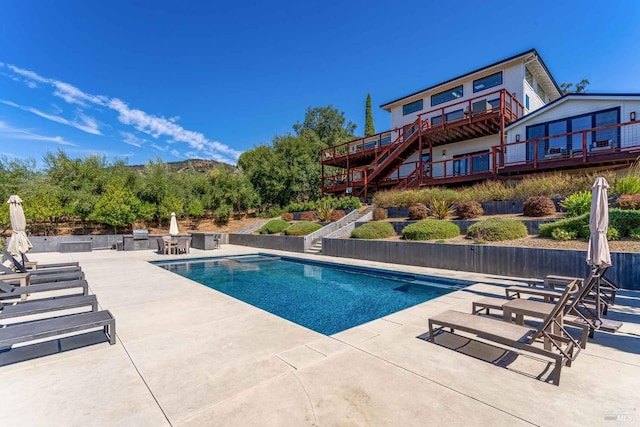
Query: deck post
(535, 154)
(584, 147)
(322, 174)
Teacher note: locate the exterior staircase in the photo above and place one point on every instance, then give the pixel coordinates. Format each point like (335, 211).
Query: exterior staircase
(316, 248)
(314, 245)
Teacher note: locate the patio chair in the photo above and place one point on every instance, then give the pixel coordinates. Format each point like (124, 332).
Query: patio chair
(19, 267)
(608, 289)
(183, 245)
(161, 246)
(562, 348)
(12, 291)
(584, 308)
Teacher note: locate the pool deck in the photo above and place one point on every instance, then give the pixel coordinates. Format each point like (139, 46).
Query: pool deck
(187, 355)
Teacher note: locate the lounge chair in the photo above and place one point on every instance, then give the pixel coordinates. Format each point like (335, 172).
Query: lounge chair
(39, 329)
(562, 348)
(40, 277)
(10, 291)
(17, 266)
(12, 311)
(608, 289)
(35, 265)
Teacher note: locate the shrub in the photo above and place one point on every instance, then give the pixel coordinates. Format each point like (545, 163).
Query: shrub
(336, 215)
(468, 210)
(222, 214)
(302, 206)
(496, 229)
(272, 212)
(635, 233)
(307, 216)
(379, 214)
(418, 211)
(562, 234)
(628, 201)
(374, 230)
(576, 225)
(274, 226)
(539, 206)
(624, 221)
(323, 211)
(430, 229)
(440, 208)
(612, 234)
(347, 203)
(629, 184)
(287, 216)
(302, 228)
(578, 203)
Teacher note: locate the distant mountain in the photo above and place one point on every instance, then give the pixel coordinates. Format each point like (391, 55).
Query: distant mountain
(200, 165)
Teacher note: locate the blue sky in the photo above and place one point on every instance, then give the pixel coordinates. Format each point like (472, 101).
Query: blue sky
(210, 79)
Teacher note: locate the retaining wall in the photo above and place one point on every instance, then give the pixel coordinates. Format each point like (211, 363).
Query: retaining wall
(498, 260)
(281, 243)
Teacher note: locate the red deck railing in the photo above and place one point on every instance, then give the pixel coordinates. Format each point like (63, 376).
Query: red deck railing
(600, 145)
(432, 120)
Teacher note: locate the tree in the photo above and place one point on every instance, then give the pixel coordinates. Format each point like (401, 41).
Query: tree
(579, 87)
(117, 206)
(328, 123)
(369, 128)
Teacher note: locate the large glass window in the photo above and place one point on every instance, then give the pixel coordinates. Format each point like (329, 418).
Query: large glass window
(535, 132)
(578, 124)
(412, 107)
(541, 93)
(595, 140)
(447, 95)
(557, 145)
(528, 77)
(606, 137)
(487, 82)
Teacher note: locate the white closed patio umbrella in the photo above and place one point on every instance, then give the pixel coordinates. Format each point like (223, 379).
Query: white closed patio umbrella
(598, 254)
(173, 227)
(19, 243)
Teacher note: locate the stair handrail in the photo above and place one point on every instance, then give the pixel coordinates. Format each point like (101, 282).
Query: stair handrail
(407, 141)
(330, 228)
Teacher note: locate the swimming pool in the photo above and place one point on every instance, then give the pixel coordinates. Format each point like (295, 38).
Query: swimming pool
(327, 298)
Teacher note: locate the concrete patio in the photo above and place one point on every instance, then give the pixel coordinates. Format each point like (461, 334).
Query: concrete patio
(190, 356)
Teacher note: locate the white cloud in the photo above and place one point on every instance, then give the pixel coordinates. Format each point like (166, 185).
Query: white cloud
(31, 85)
(9, 132)
(157, 147)
(100, 152)
(132, 139)
(176, 153)
(87, 124)
(155, 126)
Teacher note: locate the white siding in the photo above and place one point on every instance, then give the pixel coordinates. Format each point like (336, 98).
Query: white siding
(512, 80)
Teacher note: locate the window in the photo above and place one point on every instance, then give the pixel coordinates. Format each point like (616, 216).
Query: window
(412, 107)
(600, 139)
(447, 95)
(541, 94)
(385, 141)
(453, 115)
(606, 118)
(478, 161)
(528, 77)
(526, 102)
(487, 82)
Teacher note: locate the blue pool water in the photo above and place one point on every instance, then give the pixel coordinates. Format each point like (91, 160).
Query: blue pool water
(323, 297)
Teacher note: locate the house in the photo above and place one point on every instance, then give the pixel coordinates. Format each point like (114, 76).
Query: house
(507, 119)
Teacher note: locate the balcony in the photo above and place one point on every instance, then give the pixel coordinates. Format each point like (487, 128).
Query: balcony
(472, 118)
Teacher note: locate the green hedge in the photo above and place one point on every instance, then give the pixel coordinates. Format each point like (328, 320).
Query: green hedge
(497, 229)
(374, 230)
(624, 221)
(302, 228)
(274, 226)
(430, 229)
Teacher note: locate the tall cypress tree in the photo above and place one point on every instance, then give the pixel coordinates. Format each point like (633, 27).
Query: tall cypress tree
(369, 128)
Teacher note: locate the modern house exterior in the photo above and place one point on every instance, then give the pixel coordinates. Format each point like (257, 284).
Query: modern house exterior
(507, 119)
